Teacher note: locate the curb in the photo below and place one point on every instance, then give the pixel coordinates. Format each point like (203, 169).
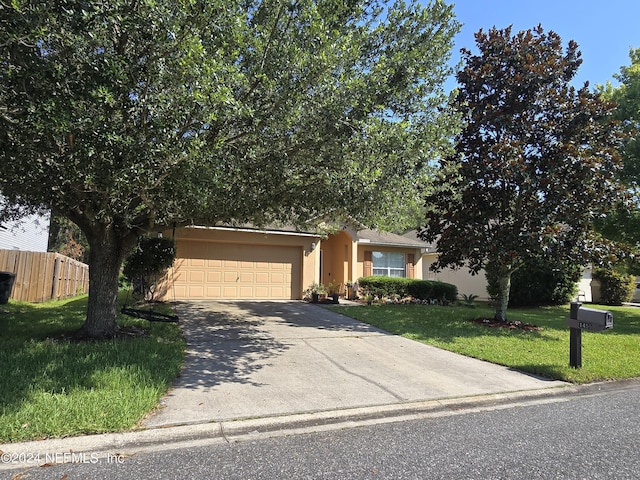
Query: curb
(111, 446)
(114, 447)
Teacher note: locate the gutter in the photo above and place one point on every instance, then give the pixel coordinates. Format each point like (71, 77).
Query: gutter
(255, 230)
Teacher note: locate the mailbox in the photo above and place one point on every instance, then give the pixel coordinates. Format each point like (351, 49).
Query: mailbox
(584, 319)
(591, 319)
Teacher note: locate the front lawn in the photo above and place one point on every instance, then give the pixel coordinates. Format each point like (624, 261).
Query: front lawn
(52, 387)
(613, 354)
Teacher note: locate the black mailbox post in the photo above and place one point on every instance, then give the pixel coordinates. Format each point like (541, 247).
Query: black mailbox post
(584, 319)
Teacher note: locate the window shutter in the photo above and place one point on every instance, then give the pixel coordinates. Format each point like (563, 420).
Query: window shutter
(410, 264)
(368, 264)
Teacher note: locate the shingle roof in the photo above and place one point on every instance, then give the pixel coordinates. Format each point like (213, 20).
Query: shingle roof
(375, 237)
(413, 234)
(367, 236)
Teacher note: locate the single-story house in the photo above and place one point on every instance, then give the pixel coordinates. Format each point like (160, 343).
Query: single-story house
(245, 263)
(224, 262)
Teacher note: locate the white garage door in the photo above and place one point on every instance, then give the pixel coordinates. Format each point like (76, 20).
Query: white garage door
(231, 271)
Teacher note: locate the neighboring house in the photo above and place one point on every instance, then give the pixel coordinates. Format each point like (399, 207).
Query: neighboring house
(586, 286)
(248, 263)
(30, 233)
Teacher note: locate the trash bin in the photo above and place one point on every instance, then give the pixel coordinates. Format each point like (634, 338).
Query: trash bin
(6, 284)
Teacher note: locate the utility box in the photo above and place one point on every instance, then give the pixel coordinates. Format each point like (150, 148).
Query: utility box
(591, 319)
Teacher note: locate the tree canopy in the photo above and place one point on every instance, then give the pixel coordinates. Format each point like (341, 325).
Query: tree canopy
(627, 96)
(130, 115)
(534, 166)
(623, 225)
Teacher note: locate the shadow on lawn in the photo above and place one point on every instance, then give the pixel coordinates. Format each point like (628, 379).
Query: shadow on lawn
(543, 372)
(36, 359)
(25, 321)
(443, 324)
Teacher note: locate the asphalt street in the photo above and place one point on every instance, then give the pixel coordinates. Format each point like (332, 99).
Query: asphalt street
(590, 435)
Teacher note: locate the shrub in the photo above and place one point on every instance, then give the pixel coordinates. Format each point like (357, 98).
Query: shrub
(538, 282)
(433, 290)
(402, 287)
(615, 287)
(383, 286)
(148, 262)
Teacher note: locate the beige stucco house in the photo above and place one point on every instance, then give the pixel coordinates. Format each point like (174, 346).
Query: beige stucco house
(225, 262)
(238, 263)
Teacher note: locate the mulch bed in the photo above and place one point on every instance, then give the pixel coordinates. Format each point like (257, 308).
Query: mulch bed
(492, 322)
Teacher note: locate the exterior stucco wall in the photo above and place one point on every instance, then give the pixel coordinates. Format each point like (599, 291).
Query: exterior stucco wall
(587, 287)
(587, 290)
(467, 284)
(336, 259)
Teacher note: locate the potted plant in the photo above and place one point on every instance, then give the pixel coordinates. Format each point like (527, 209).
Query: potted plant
(316, 290)
(334, 290)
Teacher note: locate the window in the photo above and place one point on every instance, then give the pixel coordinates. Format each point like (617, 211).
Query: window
(388, 264)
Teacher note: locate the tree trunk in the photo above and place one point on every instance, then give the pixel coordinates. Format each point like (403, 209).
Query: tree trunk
(106, 254)
(504, 282)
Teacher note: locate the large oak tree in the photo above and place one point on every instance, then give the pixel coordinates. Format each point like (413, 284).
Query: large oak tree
(534, 166)
(131, 115)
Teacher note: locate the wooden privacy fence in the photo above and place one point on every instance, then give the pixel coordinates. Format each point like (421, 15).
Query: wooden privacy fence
(42, 276)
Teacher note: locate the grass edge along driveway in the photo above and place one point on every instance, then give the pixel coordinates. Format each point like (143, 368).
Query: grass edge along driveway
(609, 355)
(52, 387)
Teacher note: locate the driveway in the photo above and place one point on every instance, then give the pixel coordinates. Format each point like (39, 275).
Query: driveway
(260, 359)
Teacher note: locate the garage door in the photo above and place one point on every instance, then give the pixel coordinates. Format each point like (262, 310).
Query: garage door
(230, 271)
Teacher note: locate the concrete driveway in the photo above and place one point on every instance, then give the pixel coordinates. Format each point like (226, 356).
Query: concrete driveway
(262, 359)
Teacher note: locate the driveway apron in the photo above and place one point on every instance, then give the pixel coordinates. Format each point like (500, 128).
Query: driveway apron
(259, 359)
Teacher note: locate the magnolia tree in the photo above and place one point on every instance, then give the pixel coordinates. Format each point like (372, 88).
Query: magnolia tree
(126, 116)
(534, 166)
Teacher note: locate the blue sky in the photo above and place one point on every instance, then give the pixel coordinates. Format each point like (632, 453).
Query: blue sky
(604, 31)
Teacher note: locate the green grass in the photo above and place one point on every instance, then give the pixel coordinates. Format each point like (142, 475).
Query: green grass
(51, 387)
(613, 354)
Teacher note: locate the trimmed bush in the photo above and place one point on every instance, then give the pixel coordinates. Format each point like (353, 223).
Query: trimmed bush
(383, 286)
(615, 287)
(441, 290)
(403, 287)
(538, 283)
(148, 261)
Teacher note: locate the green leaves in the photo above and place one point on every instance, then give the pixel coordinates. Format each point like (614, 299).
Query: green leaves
(535, 164)
(144, 115)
